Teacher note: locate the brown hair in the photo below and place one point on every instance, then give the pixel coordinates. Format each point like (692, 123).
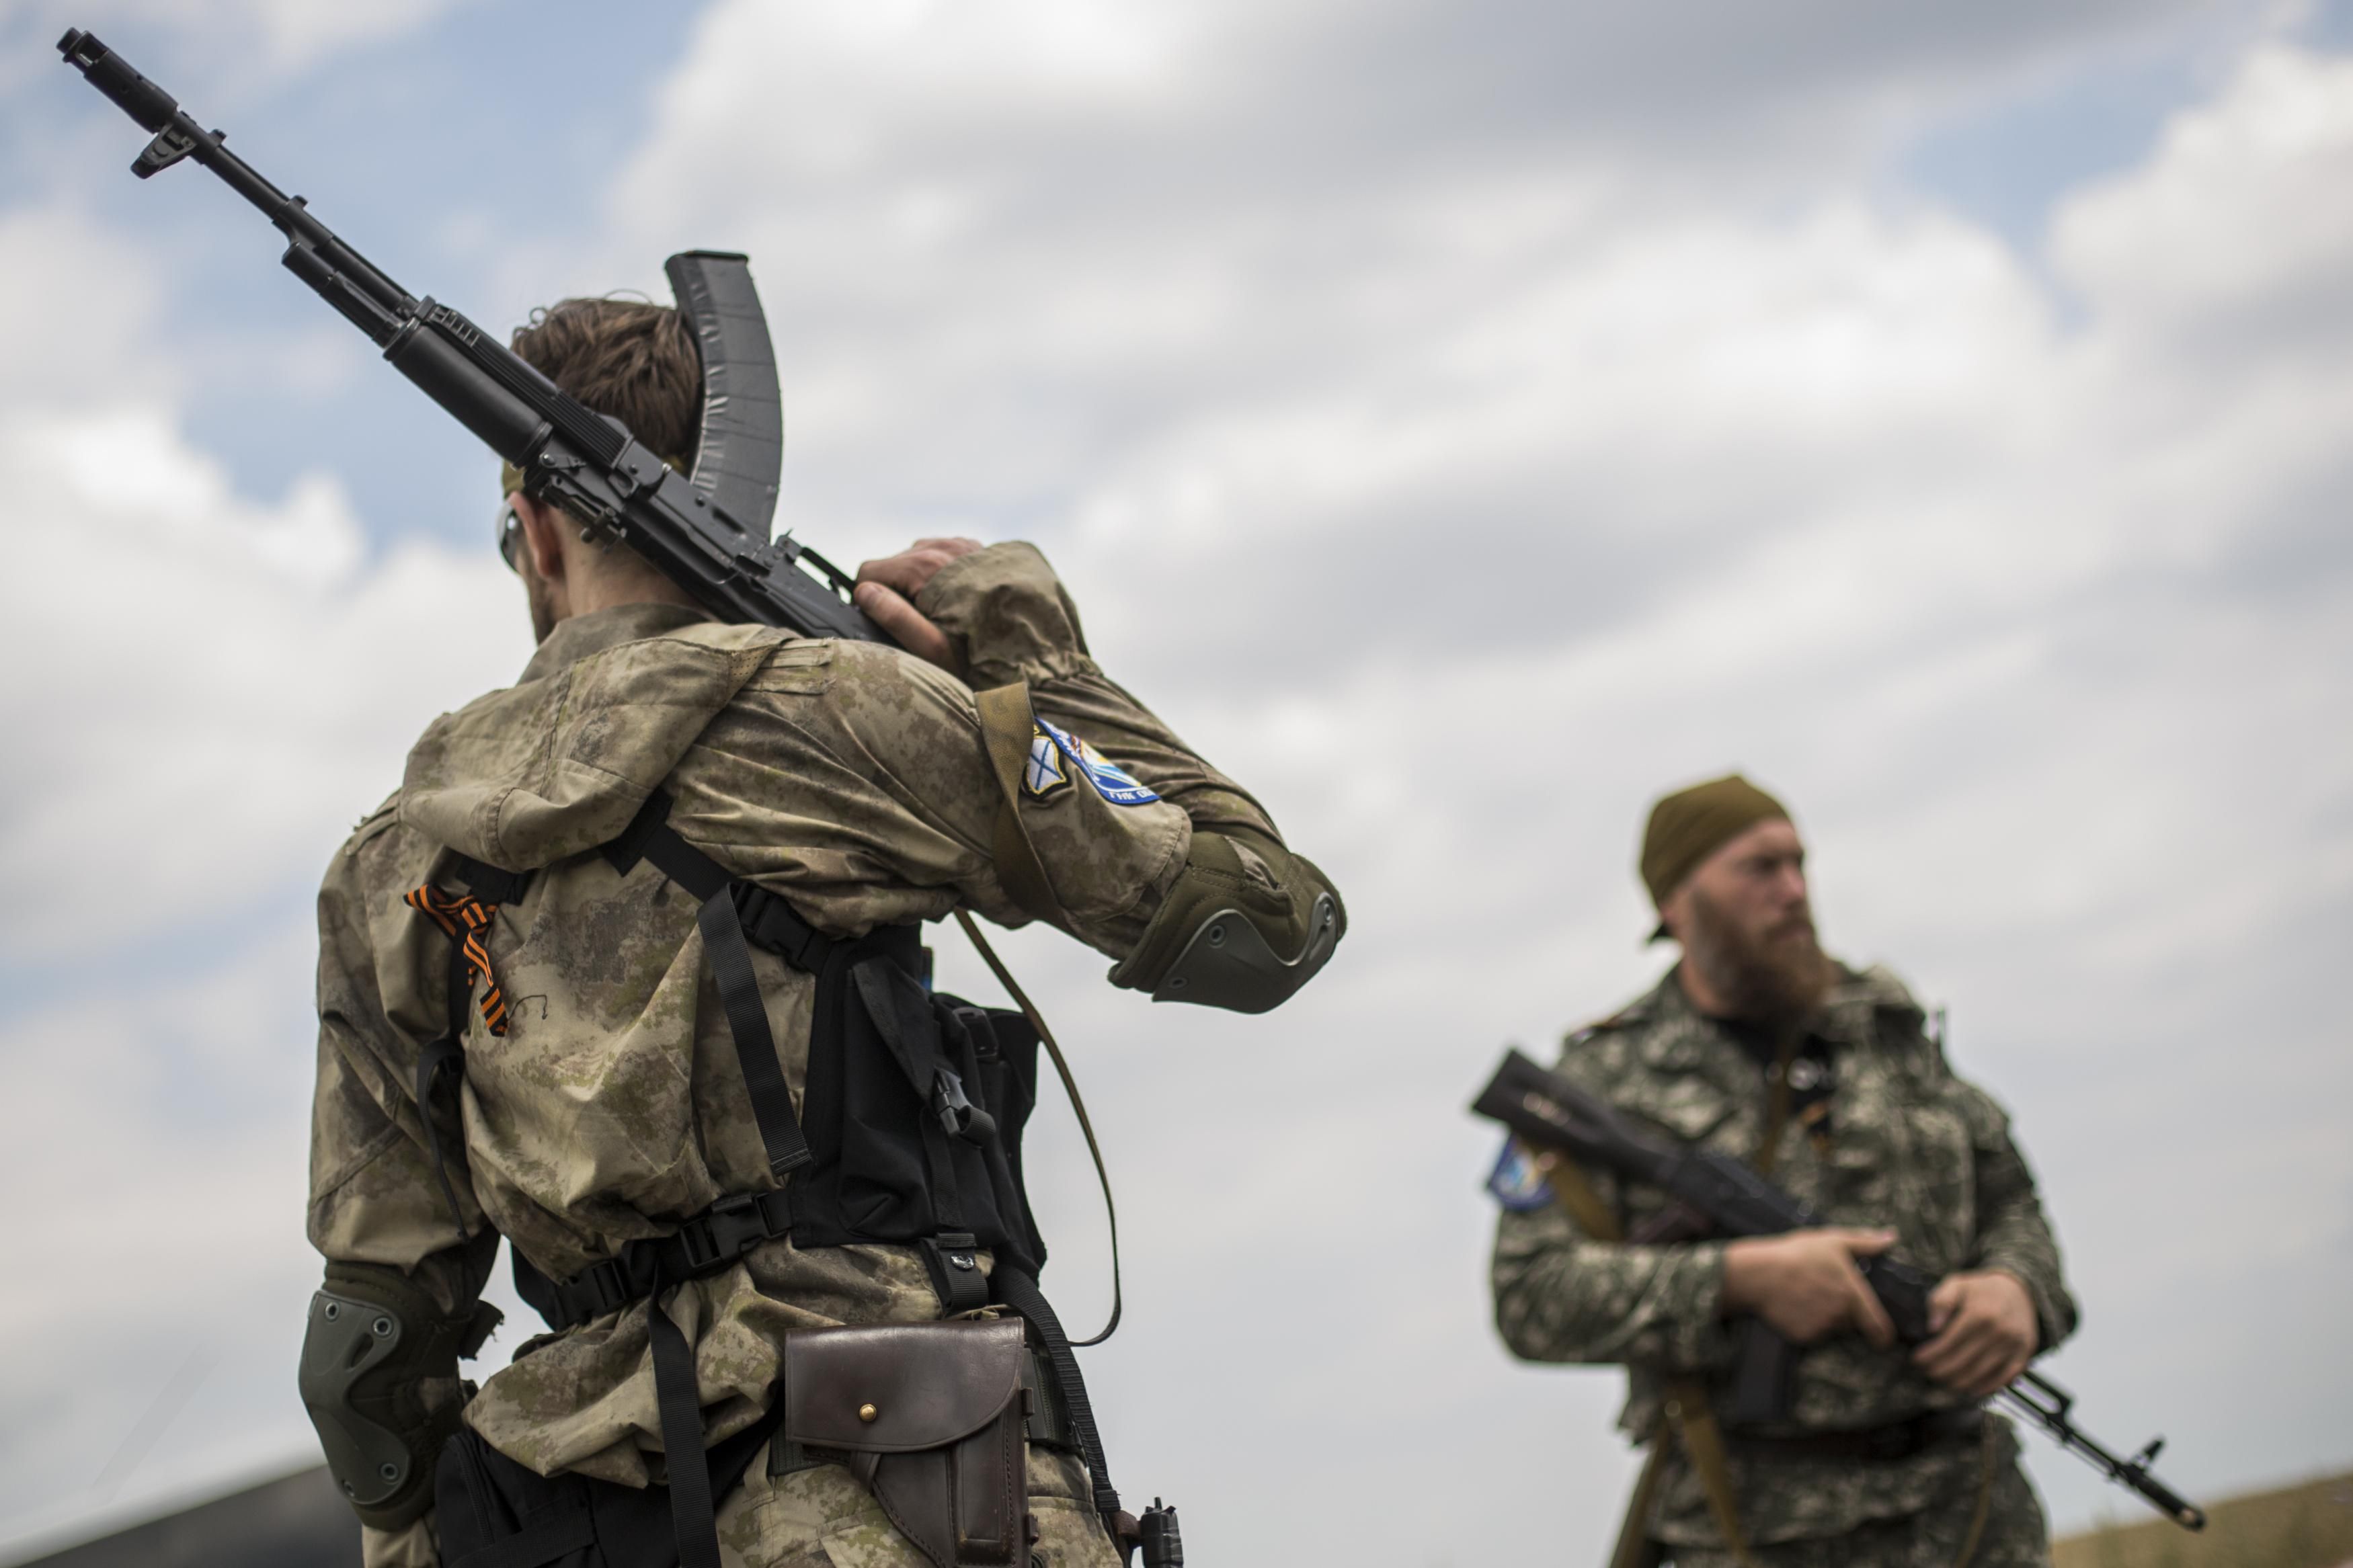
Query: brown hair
(632, 360)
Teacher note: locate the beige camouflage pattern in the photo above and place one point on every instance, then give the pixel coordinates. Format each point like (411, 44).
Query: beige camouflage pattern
(822, 1518)
(851, 777)
(1911, 1147)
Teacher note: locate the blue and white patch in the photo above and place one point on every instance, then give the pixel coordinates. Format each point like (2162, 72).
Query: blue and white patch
(1516, 1183)
(1111, 781)
(1043, 774)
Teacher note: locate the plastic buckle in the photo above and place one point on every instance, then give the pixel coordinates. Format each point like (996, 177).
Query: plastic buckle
(724, 1232)
(958, 1114)
(770, 922)
(599, 1288)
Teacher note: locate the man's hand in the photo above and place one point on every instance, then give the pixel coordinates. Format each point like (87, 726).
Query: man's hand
(1982, 1333)
(886, 590)
(1805, 1284)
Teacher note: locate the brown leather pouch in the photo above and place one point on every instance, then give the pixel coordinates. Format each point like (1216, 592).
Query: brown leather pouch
(929, 1416)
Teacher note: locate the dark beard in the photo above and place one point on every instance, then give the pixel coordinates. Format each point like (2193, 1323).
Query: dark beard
(1778, 977)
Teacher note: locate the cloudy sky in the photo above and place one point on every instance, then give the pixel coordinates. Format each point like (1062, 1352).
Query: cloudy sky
(1462, 420)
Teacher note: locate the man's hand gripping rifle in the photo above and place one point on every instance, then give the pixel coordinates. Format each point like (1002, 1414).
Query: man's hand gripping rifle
(1546, 1112)
(707, 530)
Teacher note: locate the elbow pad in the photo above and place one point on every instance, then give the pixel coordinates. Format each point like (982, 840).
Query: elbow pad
(374, 1338)
(1245, 924)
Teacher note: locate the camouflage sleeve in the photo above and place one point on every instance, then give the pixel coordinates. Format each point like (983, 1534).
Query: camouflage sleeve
(415, 1546)
(1009, 619)
(2013, 1235)
(373, 1199)
(1561, 1296)
(862, 780)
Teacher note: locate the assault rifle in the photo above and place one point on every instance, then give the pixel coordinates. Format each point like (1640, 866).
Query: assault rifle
(1730, 1198)
(707, 530)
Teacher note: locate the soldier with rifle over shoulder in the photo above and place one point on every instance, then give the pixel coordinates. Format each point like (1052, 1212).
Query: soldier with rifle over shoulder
(630, 973)
(1817, 1251)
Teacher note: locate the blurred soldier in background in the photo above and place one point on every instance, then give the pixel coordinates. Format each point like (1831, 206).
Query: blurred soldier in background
(1759, 1045)
(628, 972)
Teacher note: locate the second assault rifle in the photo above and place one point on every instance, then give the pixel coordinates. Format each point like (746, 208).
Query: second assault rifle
(1546, 1112)
(707, 530)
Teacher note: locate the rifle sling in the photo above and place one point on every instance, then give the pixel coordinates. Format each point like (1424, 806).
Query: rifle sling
(1009, 726)
(1687, 1405)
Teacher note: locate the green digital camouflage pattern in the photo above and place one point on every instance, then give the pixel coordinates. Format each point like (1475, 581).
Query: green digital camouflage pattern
(2014, 1535)
(850, 776)
(1910, 1147)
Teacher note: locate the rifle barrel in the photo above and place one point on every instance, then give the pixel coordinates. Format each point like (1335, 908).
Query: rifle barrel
(572, 457)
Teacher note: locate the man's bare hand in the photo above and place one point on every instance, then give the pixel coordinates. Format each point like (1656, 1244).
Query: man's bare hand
(1982, 1333)
(1805, 1284)
(886, 590)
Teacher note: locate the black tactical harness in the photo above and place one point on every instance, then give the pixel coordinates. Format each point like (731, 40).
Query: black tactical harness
(915, 1103)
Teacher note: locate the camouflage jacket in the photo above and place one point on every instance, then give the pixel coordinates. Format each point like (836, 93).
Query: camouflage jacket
(1907, 1146)
(850, 776)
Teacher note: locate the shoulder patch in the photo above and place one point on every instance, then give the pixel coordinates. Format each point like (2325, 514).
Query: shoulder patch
(1516, 1182)
(1043, 774)
(1055, 753)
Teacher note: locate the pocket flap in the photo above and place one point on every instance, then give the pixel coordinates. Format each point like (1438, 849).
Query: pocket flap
(899, 1387)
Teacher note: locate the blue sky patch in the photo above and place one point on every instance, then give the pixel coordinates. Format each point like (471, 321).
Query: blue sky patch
(1516, 1182)
(1112, 782)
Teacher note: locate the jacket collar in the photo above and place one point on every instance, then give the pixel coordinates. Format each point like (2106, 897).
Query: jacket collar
(576, 637)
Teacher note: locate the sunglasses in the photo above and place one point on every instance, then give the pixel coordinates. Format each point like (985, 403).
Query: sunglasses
(509, 537)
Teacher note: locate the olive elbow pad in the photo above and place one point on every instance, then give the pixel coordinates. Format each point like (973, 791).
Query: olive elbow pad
(1245, 924)
(374, 1338)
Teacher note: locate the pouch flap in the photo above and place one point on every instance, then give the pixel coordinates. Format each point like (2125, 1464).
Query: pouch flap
(925, 1385)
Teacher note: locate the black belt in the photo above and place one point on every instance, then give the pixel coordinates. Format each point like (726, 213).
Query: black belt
(709, 1242)
(715, 1238)
(1867, 1445)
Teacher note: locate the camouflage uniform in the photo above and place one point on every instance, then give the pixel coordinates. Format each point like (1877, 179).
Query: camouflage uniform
(1907, 1146)
(849, 775)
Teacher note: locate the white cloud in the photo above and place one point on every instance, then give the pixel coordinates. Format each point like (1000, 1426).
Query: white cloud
(203, 690)
(2236, 250)
(1460, 479)
(256, 40)
(1459, 515)
(240, 680)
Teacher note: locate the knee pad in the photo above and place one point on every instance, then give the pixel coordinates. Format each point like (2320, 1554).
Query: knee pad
(374, 1339)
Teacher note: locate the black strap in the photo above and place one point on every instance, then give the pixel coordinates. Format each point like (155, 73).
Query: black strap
(902, 1014)
(1078, 1105)
(490, 884)
(543, 1537)
(767, 918)
(445, 1056)
(677, 1394)
(729, 910)
(1020, 1292)
(747, 1023)
(702, 1244)
(952, 1257)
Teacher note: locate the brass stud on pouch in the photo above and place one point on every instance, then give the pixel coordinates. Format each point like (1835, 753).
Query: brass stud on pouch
(867, 1413)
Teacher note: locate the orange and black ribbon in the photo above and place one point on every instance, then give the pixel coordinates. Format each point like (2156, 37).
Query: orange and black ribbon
(465, 917)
